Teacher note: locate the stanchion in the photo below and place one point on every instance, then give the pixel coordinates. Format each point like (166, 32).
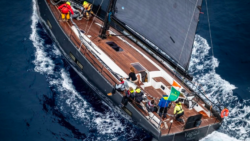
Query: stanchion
(170, 126)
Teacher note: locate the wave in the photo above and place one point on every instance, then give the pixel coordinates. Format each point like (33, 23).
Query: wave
(218, 136)
(105, 125)
(108, 125)
(203, 66)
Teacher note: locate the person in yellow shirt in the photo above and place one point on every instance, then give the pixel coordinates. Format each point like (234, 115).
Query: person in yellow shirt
(87, 9)
(178, 111)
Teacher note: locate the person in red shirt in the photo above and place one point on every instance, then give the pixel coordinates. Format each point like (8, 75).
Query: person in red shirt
(65, 9)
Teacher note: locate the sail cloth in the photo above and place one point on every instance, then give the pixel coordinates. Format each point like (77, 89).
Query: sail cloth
(168, 24)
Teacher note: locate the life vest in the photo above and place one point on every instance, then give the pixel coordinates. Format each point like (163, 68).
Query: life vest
(65, 9)
(132, 91)
(86, 5)
(178, 109)
(224, 113)
(138, 95)
(138, 90)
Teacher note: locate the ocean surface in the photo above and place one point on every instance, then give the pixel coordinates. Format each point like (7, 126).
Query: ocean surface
(42, 98)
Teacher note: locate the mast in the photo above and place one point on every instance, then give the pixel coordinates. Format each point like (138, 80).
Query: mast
(110, 10)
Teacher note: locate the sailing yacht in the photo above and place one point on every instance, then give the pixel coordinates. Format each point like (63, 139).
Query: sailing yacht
(155, 38)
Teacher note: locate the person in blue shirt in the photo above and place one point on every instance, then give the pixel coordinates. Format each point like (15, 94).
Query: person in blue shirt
(163, 104)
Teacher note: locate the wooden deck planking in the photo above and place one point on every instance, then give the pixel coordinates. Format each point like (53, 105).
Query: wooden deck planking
(153, 92)
(160, 91)
(124, 59)
(86, 53)
(178, 127)
(161, 79)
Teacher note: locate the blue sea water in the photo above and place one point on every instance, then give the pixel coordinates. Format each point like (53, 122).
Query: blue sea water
(230, 30)
(42, 98)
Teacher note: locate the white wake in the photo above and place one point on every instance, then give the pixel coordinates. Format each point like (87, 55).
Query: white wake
(69, 101)
(202, 66)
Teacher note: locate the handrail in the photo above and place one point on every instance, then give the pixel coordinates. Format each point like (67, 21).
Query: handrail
(173, 71)
(90, 44)
(87, 49)
(88, 52)
(95, 63)
(56, 2)
(190, 85)
(187, 83)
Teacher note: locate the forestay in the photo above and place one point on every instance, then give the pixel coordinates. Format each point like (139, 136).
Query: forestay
(168, 24)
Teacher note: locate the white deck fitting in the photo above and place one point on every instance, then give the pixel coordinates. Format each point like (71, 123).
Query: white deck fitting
(198, 108)
(110, 63)
(164, 74)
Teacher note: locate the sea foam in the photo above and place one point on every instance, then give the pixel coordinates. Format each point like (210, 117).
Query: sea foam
(68, 100)
(202, 66)
(108, 125)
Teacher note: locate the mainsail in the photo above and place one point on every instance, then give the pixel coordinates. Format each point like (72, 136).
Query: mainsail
(169, 24)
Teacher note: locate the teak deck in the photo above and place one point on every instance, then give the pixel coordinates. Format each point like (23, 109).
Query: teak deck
(160, 79)
(123, 60)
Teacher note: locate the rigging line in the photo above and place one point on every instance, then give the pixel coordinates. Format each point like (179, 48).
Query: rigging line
(88, 20)
(86, 26)
(95, 17)
(210, 32)
(81, 39)
(185, 38)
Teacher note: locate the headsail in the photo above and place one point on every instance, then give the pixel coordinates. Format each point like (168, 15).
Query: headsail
(168, 24)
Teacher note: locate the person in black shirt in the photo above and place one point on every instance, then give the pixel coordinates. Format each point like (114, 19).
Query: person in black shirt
(138, 95)
(132, 75)
(129, 95)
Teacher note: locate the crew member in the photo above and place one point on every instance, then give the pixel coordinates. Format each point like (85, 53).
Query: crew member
(132, 75)
(87, 9)
(178, 111)
(127, 96)
(65, 9)
(119, 87)
(163, 104)
(151, 106)
(138, 95)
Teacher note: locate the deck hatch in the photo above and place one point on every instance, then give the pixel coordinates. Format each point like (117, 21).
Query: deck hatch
(138, 67)
(114, 46)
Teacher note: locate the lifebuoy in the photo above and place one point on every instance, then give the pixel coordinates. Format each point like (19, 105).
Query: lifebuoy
(224, 113)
